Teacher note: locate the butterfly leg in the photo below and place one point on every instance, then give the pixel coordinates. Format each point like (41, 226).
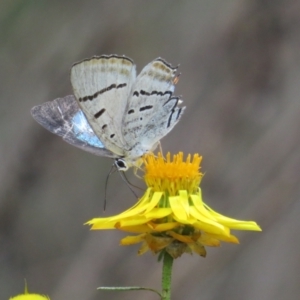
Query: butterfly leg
(137, 167)
(160, 148)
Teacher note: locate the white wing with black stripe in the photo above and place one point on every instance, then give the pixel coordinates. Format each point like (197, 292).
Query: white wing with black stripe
(152, 110)
(102, 86)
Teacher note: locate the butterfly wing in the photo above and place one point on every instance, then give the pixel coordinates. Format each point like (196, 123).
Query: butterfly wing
(102, 86)
(151, 110)
(64, 117)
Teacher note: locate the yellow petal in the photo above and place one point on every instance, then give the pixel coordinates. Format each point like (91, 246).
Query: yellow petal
(178, 207)
(137, 229)
(139, 207)
(182, 238)
(131, 222)
(230, 239)
(210, 241)
(102, 225)
(198, 248)
(184, 199)
(158, 213)
(154, 201)
(144, 248)
(199, 207)
(233, 223)
(211, 223)
(163, 226)
(130, 240)
(213, 228)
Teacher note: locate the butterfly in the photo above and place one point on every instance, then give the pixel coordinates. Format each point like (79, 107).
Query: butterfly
(113, 112)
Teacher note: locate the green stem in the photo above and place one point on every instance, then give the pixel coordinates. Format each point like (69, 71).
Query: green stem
(166, 276)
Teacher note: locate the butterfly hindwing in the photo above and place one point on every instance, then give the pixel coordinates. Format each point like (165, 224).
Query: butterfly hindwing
(102, 86)
(151, 110)
(162, 123)
(64, 117)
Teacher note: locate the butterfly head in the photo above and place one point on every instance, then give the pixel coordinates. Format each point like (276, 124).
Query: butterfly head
(121, 164)
(125, 163)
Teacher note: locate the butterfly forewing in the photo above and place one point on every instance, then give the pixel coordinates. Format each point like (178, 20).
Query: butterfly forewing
(102, 86)
(64, 117)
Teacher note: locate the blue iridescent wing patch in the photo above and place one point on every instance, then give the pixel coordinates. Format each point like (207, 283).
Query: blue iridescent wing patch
(83, 131)
(63, 117)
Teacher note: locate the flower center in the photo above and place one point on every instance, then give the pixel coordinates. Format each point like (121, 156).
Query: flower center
(172, 175)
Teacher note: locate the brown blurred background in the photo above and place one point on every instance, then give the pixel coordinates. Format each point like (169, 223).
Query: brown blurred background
(240, 64)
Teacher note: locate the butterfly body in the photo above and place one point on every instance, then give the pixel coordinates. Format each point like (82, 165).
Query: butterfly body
(113, 113)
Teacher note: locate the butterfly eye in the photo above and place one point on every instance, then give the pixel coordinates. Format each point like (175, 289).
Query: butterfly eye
(121, 164)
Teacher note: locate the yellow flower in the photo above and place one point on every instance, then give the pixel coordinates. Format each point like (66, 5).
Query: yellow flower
(29, 296)
(171, 216)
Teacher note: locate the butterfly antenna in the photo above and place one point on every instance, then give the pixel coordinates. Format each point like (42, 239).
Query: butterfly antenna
(128, 182)
(124, 178)
(112, 170)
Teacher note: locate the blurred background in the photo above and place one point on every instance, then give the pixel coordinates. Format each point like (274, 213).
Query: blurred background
(240, 65)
